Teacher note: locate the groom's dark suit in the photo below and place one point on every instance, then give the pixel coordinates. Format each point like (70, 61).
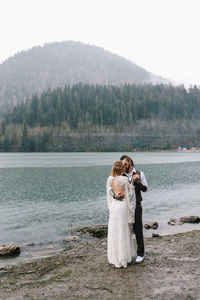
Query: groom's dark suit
(140, 185)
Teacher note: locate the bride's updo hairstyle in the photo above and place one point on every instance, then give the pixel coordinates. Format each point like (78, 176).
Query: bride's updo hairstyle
(117, 168)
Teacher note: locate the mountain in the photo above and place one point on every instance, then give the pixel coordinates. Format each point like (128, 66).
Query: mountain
(64, 63)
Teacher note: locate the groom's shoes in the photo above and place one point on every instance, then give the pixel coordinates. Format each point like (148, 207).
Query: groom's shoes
(139, 259)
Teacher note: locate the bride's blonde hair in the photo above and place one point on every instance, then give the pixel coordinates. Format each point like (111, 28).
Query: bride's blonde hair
(117, 168)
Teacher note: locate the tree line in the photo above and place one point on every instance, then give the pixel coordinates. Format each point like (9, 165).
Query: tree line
(43, 123)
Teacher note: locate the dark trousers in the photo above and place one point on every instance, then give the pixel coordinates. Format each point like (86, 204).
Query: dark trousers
(138, 229)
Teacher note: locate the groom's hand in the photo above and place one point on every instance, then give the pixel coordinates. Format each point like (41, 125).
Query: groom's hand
(135, 178)
(119, 197)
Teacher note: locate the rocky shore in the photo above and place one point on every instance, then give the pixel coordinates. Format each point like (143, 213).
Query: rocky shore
(171, 270)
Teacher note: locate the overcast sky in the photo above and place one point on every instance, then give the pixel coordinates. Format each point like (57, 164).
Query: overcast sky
(160, 35)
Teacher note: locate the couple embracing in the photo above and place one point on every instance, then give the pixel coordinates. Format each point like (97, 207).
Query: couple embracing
(124, 187)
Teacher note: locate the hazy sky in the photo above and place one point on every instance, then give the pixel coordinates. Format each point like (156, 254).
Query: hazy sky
(160, 35)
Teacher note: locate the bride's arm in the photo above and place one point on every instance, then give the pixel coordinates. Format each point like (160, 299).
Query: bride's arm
(109, 190)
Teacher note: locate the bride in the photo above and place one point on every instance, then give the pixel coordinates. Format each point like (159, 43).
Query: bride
(121, 216)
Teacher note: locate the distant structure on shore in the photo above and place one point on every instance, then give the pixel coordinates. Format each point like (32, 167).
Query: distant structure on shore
(187, 149)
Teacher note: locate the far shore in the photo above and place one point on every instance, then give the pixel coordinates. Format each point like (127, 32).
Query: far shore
(189, 150)
(81, 271)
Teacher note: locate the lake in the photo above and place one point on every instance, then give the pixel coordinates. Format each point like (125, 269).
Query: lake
(44, 195)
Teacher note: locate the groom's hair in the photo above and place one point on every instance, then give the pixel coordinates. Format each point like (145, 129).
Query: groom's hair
(123, 157)
(127, 158)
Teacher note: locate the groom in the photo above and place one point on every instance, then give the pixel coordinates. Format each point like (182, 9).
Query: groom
(139, 181)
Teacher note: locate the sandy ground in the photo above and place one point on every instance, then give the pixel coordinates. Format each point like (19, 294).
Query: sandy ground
(171, 270)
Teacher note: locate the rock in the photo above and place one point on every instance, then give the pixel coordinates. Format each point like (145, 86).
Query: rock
(155, 235)
(153, 225)
(191, 219)
(182, 220)
(9, 250)
(72, 238)
(99, 231)
(174, 222)
(30, 244)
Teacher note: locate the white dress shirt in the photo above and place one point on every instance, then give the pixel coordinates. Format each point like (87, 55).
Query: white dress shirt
(142, 177)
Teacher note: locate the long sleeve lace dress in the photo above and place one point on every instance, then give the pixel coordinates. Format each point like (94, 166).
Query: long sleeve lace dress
(121, 215)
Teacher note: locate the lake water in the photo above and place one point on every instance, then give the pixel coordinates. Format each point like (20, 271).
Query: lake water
(44, 195)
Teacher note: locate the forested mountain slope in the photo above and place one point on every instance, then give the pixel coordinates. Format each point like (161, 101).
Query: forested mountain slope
(65, 63)
(97, 117)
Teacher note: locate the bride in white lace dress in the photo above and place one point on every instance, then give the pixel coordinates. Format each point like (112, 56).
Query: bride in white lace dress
(121, 216)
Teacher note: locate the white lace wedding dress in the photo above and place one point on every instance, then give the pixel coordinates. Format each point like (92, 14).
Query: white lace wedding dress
(121, 216)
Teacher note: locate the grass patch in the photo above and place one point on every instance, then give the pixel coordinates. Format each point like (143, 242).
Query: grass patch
(55, 278)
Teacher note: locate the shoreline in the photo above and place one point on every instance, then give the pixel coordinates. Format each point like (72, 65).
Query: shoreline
(81, 271)
(31, 252)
